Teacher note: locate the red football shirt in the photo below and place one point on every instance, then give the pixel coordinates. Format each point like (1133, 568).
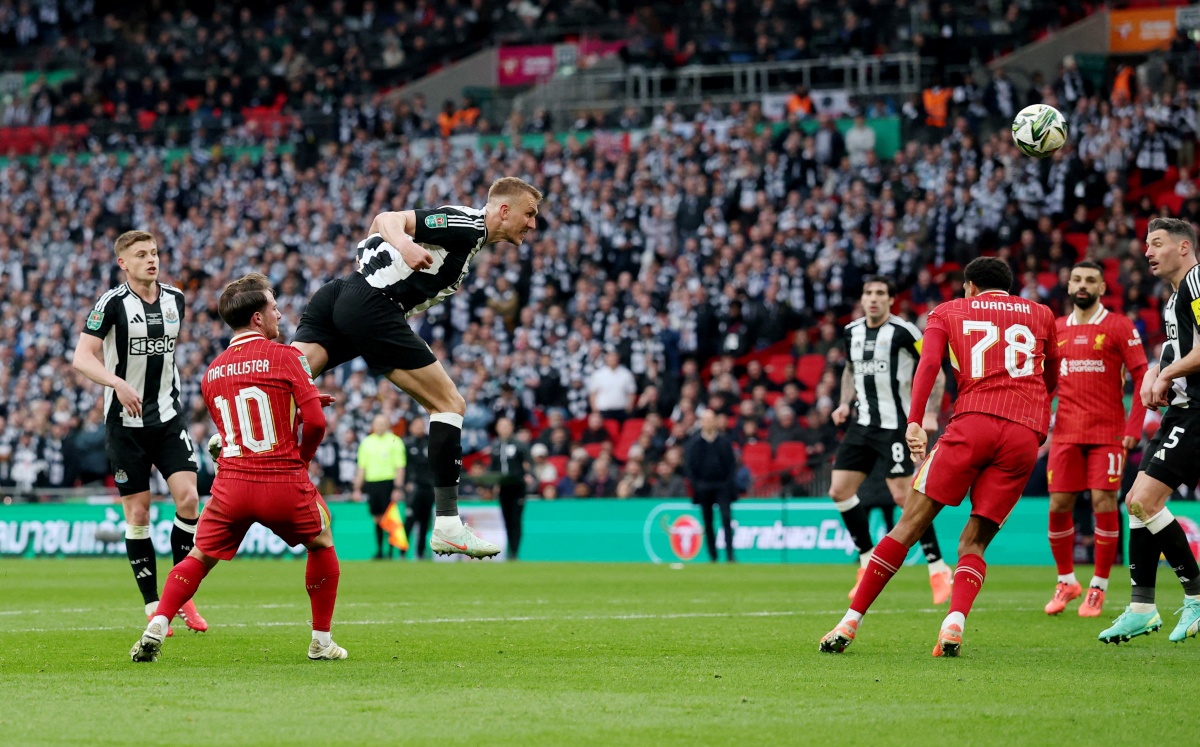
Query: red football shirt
(254, 391)
(999, 346)
(1091, 379)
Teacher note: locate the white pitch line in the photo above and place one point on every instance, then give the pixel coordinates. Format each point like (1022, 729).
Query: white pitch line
(633, 616)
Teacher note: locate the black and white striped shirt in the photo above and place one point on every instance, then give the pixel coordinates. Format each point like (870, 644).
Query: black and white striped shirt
(1180, 317)
(453, 234)
(139, 346)
(883, 360)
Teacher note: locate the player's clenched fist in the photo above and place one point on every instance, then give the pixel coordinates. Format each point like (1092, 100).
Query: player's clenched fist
(917, 439)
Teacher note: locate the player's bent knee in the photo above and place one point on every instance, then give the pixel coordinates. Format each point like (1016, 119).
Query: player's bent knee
(452, 403)
(321, 541)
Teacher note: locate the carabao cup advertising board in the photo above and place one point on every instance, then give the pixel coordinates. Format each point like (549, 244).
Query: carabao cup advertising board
(801, 530)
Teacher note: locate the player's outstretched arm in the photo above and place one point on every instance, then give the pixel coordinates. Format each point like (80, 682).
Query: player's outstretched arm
(934, 408)
(1185, 366)
(1137, 411)
(88, 361)
(397, 229)
(1147, 384)
(312, 428)
(842, 413)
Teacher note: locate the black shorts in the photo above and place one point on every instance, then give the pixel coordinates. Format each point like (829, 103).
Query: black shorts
(132, 451)
(349, 319)
(379, 496)
(863, 445)
(1171, 457)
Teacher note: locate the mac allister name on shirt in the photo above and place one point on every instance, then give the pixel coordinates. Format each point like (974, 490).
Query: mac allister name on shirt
(239, 369)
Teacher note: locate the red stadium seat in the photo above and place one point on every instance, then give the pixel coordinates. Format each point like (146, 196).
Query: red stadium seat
(593, 450)
(1077, 240)
(810, 369)
(757, 458)
(1171, 201)
(776, 367)
(1047, 280)
(577, 427)
(613, 427)
(791, 454)
(560, 464)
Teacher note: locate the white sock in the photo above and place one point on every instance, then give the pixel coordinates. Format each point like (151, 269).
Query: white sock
(938, 566)
(1191, 598)
(1067, 578)
(322, 637)
(1099, 583)
(852, 616)
(150, 608)
(161, 620)
(955, 618)
(864, 558)
(448, 524)
(1141, 608)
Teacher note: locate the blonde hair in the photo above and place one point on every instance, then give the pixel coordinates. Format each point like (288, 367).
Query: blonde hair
(507, 187)
(129, 238)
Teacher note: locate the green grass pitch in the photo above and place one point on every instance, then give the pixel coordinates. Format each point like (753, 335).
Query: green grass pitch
(560, 654)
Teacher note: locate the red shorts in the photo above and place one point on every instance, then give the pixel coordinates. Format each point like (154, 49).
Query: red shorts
(1076, 467)
(988, 456)
(294, 511)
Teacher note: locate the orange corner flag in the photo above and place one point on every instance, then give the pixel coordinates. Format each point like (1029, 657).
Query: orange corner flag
(393, 523)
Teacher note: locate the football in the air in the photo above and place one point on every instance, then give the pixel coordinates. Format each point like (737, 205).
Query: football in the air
(1039, 130)
(215, 446)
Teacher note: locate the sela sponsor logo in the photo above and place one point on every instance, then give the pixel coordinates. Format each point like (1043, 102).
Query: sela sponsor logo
(871, 367)
(151, 345)
(686, 537)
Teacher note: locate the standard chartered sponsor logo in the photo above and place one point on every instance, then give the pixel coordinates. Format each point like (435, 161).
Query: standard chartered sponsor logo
(1084, 366)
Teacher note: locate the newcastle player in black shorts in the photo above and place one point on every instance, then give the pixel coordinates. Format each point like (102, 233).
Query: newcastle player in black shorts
(881, 355)
(411, 260)
(1172, 458)
(128, 347)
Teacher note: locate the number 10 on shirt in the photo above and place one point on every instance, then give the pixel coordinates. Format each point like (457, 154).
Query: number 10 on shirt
(242, 402)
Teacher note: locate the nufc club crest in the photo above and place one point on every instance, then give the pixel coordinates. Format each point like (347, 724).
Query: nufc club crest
(171, 316)
(120, 478)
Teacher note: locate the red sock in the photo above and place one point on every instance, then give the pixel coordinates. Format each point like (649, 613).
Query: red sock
(886, 559)
(968, 580)
(321, 579)
(1062, 541)
(1108, 532)
(182, 583)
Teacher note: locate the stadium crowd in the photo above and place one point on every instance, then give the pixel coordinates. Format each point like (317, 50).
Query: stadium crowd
(657, 267)
(174, 74)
